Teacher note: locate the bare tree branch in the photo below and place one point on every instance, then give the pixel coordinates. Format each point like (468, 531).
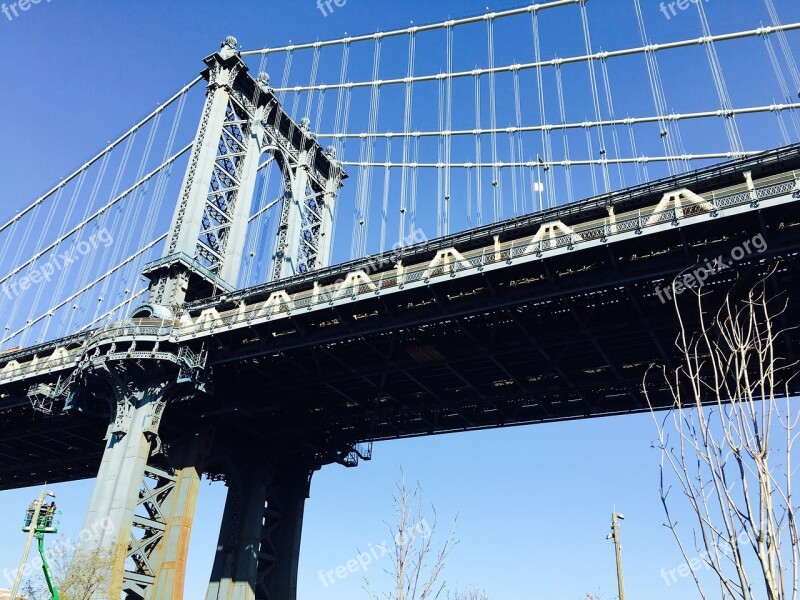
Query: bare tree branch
(732, 470)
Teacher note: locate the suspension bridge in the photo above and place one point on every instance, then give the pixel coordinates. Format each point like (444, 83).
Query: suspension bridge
(400, 234)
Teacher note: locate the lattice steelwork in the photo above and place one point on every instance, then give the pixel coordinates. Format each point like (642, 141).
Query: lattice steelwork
(305, 227)
(147, 530)
(226, 179)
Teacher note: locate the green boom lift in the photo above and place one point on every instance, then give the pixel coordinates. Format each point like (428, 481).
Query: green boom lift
(40, 519)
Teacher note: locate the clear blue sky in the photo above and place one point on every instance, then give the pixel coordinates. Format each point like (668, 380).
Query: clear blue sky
(533, 503)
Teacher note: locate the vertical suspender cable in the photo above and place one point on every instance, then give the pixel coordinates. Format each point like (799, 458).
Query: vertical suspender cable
(409, 100)
(414, 189)
(791, 63)
(657, 91)
(726, 106)
(678, 147)
(262, 64)
(587, 130)
(547, 145)
(478, 153)
(520, 150)
(67, 218)
(387, 174)
(612, 115)
(448, 137)
(364, 184)
(342, 115)
(496, 172)
(776, 67)
(88, 204)
(440, 201)
(595, 98)
(122, 213)
(358, 214)
(512, 149)
(287, 69)
(151, 221)
(137, 200)
(320, 109)
(469, 196)
(641, 175)
(788, 56)
(312, 80)
(567, 165)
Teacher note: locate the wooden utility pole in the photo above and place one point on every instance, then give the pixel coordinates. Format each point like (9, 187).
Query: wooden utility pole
(615, 519)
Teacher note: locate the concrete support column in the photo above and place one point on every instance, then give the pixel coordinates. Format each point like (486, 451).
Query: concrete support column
(259, 543)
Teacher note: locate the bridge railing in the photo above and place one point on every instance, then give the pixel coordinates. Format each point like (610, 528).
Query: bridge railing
(61, 357)
(634, 221)
(133, 329)
(363, 283)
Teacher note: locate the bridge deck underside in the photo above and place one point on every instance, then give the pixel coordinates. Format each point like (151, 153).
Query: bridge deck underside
(562, 338)
(37, 448)
(565, 337)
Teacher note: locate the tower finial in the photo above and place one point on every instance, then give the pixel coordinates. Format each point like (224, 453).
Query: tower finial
(263, 80)
(229, 46)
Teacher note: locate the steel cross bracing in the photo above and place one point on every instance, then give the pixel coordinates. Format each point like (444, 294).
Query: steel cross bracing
(242, 120)
(157, 484)
(225, 185)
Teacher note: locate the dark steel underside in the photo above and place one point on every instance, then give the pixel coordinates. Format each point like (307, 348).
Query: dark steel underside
(566, 337)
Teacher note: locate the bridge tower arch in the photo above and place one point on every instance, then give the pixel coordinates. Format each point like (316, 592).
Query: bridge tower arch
(242, 119)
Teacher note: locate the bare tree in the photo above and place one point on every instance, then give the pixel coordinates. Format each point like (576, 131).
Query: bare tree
(416, 564)
(78, 573)
(469, 594)
(728, 445)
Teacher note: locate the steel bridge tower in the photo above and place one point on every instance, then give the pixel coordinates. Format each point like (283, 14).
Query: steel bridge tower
(146, 490)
